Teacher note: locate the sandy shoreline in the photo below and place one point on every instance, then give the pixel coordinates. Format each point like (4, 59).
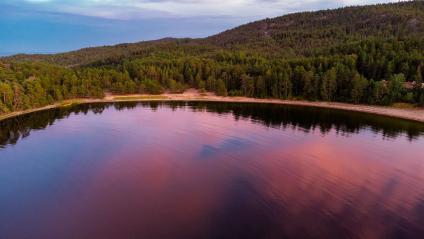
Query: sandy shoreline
(416, 114)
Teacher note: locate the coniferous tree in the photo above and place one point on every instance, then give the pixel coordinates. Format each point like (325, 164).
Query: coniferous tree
(418, 87)
(359, 85)
(395, 87)
(248, 85)
(221, 89)
(329, 85)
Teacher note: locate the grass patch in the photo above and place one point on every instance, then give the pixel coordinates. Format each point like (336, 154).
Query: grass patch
(66, 104)
(69, 103)
(404, 105)
(141, 97)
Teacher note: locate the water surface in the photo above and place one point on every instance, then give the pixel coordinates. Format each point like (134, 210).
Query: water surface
(210, 170)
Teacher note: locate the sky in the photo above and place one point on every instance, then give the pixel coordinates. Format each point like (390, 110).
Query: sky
(50, 26)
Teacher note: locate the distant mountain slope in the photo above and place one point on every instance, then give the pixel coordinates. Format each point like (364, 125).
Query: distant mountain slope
(89, 55)
(303, 32)
(292, 35)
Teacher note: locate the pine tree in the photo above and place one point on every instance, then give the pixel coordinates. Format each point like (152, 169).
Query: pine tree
(261, 91)
(329, 85)
(247, 85)
(418, 87)
(285, 85)
(221, 89)
(359, 86)
(396, 87)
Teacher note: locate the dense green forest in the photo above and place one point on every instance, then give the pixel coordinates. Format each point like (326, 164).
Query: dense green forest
(370, 55)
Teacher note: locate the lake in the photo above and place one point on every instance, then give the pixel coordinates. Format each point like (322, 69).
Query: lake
(210, 170)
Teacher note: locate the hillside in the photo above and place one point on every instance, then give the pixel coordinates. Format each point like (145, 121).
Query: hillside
(303, 33)
(368, 54)
(291, 35)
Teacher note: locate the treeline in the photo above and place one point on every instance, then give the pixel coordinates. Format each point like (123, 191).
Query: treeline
(370, 72)
(30, 85)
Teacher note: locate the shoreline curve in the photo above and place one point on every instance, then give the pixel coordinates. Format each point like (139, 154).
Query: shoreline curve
(416, 114)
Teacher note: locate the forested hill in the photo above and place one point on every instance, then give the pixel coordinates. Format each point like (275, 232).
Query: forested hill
(299, 34)
(304, 33)
(104, 53)
(369, 54)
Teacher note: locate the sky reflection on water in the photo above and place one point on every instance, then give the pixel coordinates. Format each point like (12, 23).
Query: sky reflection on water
(178, 171)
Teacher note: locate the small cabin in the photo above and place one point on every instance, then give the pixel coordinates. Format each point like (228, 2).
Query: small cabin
(411, 85)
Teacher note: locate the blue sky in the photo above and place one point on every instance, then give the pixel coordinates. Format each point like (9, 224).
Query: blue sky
(47, 26)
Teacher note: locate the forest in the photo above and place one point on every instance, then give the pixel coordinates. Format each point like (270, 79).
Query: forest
(362, 55)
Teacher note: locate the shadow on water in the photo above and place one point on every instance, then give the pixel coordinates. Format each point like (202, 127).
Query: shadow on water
(271, 115)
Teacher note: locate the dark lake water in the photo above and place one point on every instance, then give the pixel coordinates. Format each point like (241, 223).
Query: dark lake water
(210, 170)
